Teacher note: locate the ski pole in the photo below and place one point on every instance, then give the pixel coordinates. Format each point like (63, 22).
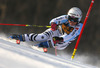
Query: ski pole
(56, 50)
(75, 49)
(25, 25)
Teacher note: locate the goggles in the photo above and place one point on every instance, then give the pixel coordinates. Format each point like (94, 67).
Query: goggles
(73, 19)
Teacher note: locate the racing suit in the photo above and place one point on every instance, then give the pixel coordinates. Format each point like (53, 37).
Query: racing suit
(67, 32)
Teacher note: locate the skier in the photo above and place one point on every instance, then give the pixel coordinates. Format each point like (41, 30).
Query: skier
(64, 29)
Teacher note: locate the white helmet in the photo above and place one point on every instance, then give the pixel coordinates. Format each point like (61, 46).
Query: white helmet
(75, 12)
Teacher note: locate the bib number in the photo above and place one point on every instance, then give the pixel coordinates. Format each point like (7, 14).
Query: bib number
(67, 29)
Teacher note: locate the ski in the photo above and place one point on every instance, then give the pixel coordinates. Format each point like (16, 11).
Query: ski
(19, 43)
(39, 48)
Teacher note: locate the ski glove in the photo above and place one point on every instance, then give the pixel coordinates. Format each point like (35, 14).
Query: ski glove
(17, 37)
(57, 40)
(53, 26)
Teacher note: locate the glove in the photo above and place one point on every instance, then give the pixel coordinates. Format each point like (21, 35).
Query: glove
(57, 40)
(17, 37)
(53, 26)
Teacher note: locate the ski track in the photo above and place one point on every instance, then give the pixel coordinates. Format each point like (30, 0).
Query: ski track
(18, 56)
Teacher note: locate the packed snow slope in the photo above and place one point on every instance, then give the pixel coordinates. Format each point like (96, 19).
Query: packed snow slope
(13, 55)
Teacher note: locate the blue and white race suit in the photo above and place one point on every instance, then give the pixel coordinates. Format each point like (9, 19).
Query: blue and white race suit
(69, 34)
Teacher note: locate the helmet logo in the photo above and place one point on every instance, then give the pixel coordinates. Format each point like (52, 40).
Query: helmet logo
(73, 14)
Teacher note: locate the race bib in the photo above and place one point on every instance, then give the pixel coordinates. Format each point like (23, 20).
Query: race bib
(67, 29)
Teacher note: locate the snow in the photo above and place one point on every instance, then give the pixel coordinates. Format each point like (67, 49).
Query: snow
(13, 55)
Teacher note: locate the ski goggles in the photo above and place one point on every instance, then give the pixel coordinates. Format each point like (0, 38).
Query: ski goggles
(73, 19)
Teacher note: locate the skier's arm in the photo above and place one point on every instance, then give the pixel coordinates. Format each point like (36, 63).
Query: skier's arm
(67, 38)
(72, 35)
(57, 21)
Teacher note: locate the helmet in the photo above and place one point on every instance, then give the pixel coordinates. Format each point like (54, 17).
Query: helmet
(75, 12)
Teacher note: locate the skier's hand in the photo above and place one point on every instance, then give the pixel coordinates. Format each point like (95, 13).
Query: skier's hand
(57, 40)
(53, 26)
(17, 37)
